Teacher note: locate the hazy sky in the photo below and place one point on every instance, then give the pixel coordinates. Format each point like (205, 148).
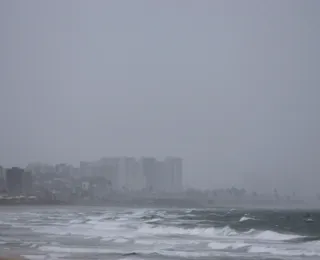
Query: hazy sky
(233, 87)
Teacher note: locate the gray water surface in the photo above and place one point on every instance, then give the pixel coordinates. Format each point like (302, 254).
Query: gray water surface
(139, 233)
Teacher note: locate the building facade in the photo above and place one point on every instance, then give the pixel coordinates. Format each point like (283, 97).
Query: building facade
(174, 181)
(18, 181)
(148, 167)
(3, 188)
(129, 174)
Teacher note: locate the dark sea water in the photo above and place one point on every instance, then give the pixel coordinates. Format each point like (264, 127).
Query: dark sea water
(125, 233)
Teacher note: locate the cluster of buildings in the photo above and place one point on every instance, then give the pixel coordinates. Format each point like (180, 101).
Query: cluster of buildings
(95, 179)
(122, 180)
(130, 174)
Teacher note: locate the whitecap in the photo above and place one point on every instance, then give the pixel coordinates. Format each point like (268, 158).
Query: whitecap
(217, 245)
(35, 257)
(246, 218)
(70, 250)
(121, 240)
(281, 251)
(227, 245)
(205, 232)
(274, 236)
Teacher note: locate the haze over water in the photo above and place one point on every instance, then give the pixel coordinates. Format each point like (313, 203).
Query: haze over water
(230, 86)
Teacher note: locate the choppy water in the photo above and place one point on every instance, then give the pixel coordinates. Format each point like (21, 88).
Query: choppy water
(118, 233)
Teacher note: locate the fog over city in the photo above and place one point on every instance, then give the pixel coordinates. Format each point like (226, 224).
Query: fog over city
(232, 87)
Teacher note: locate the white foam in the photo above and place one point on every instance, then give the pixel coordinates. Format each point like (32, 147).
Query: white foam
(76, 221)
(35, 257)
(251, 231)
(215, 232)
(186, 254)
(90, 250)
(130, 258)
(95, 227)
(145, 242)
(166, 242)
(226, 245)
(245, 218)
(56, 249)
(121, 240)
(271, 235)
(282, 251)
(45, 257)
(217, 246)
(194, 254)
(153, 220)
(205, 232)
(239, 245)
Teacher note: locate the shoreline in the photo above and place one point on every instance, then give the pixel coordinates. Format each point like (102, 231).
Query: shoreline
(155, 204)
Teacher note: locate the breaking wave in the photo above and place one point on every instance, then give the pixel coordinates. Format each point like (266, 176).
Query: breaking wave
(161, 234)
(217, 232)
(245, 218)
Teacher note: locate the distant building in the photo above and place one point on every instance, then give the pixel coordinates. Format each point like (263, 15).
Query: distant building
(2, 172)
(174, 174)
(27, 183)
(64, 170)
(18, 181)
(14, 180)
(129, 175)
(85, 168)
(101, 187)
(40, 168)
(2, 180)
(148, 167)
(108, 168)
(161, 178)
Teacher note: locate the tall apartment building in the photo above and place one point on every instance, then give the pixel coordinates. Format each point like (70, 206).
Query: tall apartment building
(130, 176)
(86, 169)
(148, 167)
(18, 181)
(108, 167)
(2, 179)
(161, 177)
(174, 181)
(40, 168)
(27, 183)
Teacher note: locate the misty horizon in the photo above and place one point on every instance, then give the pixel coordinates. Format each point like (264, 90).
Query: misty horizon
(231, 87)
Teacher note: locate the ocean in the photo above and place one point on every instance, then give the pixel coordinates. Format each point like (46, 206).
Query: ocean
(165, 233)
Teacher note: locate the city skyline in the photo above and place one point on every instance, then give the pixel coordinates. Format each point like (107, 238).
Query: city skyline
(232, 87)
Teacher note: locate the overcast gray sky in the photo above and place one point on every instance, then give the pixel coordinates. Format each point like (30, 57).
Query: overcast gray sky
(230, 86)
